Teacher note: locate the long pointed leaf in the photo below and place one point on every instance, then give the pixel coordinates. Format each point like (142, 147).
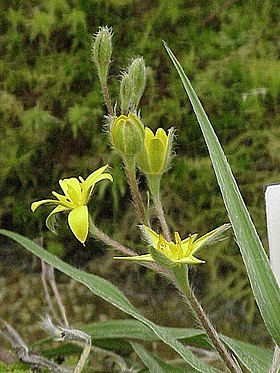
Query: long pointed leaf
(262, 279)
(156, 365)
(114, 333)
(254, 358)
(112, 294)
(148, 359)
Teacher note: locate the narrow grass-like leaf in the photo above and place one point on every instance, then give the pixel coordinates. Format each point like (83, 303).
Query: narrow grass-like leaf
(113, 333)
(112, 294)
(147, 358)
(133, 329)
(156, 365)
(254, 358)
(262, 279)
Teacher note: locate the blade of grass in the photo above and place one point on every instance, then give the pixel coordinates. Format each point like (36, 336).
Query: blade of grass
(262, 279)
(114, 333)
(254, 358)
(113, 295)
(155, 364)
(147, 358)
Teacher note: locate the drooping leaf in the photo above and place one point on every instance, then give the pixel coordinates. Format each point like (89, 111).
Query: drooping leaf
(254, 358)
(262, 279)
(113, 295)
(147, 358)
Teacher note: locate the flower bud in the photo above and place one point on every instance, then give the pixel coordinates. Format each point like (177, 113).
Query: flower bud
(102, 51)
(156, 155)
(137, 74)
(127, 134)
(126, 91)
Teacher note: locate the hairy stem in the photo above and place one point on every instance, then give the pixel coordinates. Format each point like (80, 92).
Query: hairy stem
(135, 193)
(161, 218)
(182, 285)
(154, 186)
(107, 99)
(100, 235)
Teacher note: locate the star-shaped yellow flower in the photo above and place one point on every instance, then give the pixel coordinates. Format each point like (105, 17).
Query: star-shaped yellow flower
(178, 252)
(77, 193)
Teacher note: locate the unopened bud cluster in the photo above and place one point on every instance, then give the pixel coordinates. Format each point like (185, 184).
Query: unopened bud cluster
(151, 152)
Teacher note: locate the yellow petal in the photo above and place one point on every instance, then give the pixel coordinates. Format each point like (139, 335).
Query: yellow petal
(137, 258)
(186, 240)
(94, 176)
(148, 137)
(190, 260)
(63, 200)
(36, 204)
(79, 222)
(72, 189)
(209, 238)
(187, 244)
(99, 178)
(161, 134)
(156, 155)
(90, 182)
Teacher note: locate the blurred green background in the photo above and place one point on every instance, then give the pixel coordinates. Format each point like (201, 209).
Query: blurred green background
(52, 123)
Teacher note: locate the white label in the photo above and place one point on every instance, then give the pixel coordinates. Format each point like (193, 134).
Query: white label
(272, 201)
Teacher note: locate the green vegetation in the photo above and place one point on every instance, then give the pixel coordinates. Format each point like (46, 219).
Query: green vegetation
(51, 106)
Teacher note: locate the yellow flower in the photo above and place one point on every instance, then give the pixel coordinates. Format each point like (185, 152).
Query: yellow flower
(179, 252)
(156, 155)
(77, 193)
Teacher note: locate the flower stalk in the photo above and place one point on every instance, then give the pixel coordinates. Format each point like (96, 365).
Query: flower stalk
(182, 284)
(99, 234)
(154, 187)
(103, 237)
(130, 170)
(107, 99)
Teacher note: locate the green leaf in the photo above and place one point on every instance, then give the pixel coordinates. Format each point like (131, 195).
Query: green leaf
(155, 364)
(254, 358)
(114, 334)
(148, 359)
(262, 279)
(133, 329)
(112, 294)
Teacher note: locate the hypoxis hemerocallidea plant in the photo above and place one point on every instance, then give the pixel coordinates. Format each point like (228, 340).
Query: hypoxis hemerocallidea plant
(151, 153)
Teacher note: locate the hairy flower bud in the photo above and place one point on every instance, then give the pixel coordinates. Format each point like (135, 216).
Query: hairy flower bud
(126, 91)
(137, 74)
(102, 51)
(127, 134)
(156, 155)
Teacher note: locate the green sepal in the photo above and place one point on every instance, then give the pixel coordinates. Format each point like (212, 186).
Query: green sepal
(127, 134)
(161, 258)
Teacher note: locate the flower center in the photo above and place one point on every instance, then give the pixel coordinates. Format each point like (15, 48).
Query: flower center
(172, 250)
